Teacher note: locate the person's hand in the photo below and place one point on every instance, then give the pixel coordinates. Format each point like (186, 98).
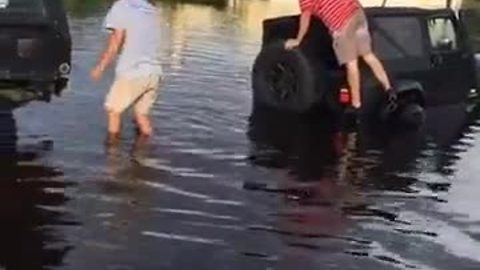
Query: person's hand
(96, 73)
(292, 44)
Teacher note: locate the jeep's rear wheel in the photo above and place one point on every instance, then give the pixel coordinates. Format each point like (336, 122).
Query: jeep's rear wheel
(283, 79)
(412, 115)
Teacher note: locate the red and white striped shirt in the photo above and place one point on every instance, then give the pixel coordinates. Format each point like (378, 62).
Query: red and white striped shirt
(334, 13)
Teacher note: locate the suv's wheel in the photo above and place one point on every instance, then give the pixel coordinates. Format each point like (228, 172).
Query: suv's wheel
(283, 79)
(412, 115)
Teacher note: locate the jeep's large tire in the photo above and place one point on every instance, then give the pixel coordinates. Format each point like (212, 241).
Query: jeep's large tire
(412, 115)
(283, 79)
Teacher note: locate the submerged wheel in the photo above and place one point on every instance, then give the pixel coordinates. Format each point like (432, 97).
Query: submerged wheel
(412, 115)
(283, 79)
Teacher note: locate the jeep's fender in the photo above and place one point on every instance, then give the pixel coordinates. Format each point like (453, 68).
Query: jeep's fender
(411, 88)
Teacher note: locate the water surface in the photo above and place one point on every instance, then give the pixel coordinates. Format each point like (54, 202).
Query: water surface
(218, 189)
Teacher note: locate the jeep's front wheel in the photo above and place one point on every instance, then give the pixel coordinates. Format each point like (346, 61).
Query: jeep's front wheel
(283, 79)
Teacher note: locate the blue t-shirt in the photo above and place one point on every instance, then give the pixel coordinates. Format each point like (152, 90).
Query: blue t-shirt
(140, 55)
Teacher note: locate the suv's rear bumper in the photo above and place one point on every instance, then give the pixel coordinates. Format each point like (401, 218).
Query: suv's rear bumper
(32, 77)
(19, 88)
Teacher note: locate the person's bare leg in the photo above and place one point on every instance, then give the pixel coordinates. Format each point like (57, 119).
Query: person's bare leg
(144, 124)
(353, 79)
(378, 70)
(114, 123)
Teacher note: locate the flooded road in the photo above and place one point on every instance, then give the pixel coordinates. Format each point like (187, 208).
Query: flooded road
(216, 189)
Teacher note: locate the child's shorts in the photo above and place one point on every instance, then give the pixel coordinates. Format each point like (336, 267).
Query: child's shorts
(353, 40)
(140, 92)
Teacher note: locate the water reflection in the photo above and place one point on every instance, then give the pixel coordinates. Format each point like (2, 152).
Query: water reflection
(293, 193)
(312, 147)
(125, 160)
(342, 185)
(32, 203)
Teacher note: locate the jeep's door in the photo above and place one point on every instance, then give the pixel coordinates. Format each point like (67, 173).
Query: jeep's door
(451, 60)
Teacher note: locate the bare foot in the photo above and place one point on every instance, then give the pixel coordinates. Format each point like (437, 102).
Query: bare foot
(144, 127)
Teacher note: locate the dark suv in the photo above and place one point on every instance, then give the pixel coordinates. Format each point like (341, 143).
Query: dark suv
(35, 46)
(426, 52)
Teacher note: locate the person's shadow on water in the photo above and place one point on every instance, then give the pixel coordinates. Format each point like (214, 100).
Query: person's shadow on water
(26, 243)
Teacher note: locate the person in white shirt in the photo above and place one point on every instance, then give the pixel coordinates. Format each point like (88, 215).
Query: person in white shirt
(135, 37)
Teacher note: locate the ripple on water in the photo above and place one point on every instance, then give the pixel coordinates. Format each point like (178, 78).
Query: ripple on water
(266, 192)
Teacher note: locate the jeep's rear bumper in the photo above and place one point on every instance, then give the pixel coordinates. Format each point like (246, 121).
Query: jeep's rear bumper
(21, 88)
(29, 77)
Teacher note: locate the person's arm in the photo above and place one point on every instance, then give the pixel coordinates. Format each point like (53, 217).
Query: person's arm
(305, 19)
(304, 25)
(115, 43)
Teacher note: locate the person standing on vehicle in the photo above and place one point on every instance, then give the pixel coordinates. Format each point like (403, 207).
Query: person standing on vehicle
(348, 26)
(134, 27)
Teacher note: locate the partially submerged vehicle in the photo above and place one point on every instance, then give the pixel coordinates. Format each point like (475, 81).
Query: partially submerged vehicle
(425, 51)
(35, 47)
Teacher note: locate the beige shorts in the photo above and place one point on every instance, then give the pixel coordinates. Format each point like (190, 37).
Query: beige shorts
(140, 92)
(353, 40)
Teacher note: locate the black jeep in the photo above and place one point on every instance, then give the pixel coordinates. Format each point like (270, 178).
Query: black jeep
(35, 47)
(426, 53)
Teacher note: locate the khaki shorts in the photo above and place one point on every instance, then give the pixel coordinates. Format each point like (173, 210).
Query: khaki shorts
(140, 92)
(353, 40)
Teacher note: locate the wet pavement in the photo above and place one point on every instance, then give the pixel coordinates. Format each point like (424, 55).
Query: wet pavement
(219, 188)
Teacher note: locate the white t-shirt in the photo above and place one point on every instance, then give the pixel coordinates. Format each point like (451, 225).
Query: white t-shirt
(140, 55)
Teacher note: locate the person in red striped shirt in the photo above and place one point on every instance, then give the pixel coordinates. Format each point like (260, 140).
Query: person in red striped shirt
(348, 26)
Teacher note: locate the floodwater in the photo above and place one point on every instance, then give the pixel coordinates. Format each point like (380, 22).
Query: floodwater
(216, 189)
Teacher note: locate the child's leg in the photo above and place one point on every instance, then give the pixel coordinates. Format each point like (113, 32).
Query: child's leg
(114, 123)
(353, 79)
(120, 97)
(144, 104)
(378, 70)
(144, 124)
(364, 48)
(345, 47)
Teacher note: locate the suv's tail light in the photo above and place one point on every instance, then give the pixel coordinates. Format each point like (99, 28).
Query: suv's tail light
(27, 47)
(344, 96)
